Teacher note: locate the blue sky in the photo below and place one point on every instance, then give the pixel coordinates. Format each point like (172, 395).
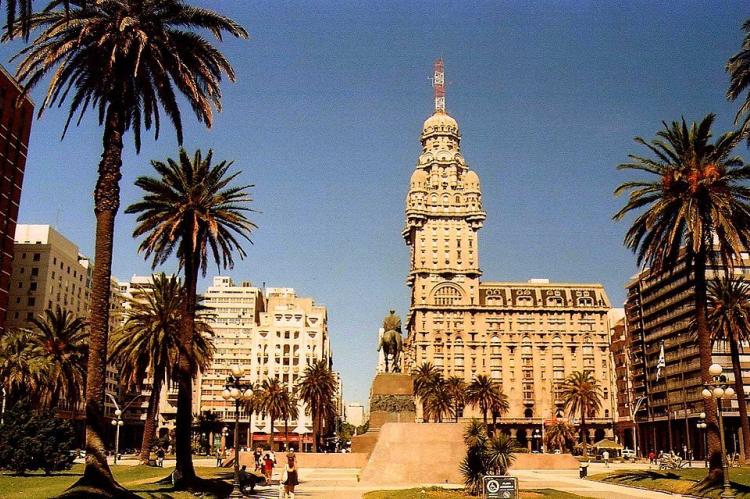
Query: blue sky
(325, 118)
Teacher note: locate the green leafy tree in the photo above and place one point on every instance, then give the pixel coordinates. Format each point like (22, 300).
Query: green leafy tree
(424, 376)
(59, 342)
(582, 395)
(694, 207)
(35, 441)
(126, 59)
(147, 344)
(193, 209)
(208, 423)
(729, 322)
(317, 389)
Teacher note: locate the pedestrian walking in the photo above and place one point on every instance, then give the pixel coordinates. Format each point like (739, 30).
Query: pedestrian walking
(289, 478)
(605, 456)
(257, 455)
(160, 457)
(269, 460)
(651, 458)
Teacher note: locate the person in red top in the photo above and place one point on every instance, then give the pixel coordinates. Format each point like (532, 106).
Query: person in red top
(269, 460)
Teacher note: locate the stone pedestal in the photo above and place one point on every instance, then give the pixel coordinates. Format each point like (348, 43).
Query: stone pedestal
(392, 399)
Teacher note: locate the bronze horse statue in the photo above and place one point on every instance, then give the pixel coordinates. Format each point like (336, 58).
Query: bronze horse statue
(392, 342)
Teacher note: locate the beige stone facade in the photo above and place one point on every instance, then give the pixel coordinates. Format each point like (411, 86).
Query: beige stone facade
(527, 336)
(271, 334)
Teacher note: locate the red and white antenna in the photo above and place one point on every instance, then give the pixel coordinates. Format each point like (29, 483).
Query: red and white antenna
(438, 83)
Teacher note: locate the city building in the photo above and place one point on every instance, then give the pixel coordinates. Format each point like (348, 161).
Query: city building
(527, 336)
(48, 272)
(354, 414)
(15, 129)
(270, 334)
(659, 310)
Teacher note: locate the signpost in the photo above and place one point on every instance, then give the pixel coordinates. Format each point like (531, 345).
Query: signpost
(500, 487)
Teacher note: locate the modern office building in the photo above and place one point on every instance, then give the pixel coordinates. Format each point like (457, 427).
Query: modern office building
(271, 333)
(659, 310)
(15, 129)
(527, 336)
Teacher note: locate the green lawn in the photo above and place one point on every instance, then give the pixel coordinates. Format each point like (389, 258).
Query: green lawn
(682, 481)
(438, 493)
(139, 479)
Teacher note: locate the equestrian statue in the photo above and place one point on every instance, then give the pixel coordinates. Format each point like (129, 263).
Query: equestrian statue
(391, 342)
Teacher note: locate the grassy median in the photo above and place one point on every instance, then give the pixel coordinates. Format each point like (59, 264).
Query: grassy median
(683, 481)
(439, 493)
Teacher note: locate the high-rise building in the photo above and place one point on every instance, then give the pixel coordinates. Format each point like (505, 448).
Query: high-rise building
(354, 414)
(659, 311)
(48, 272)
(271, 334)
(526, 336)
(15, 129)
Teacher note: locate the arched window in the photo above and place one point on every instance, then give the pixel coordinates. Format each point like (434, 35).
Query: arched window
(556, 346)
(528, 413)
(585, 301)
(458, 347)
(524, 301)
(447, 295)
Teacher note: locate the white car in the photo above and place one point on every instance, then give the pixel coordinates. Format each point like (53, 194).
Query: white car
(628, 453)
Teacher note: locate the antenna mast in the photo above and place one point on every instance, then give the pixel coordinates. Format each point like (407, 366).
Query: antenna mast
(438, 83)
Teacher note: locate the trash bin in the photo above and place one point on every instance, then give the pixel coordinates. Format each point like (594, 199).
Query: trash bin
(583, 470)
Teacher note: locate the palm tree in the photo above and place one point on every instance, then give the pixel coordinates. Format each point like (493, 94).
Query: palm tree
(559, 433)
(148, 344)
(274, 402)
(317, 388)
(728, 313)
(125, 58)
(499, 453)
(191, 209)
(436, 400)
(58, 340)
(499, 407)
(582, 395)
(696, 207)
(457, 390)
(473, 466)
(483, 393)
(738, 68)
(289, 411)
(208, 423)
(424, 375)
(20, 368)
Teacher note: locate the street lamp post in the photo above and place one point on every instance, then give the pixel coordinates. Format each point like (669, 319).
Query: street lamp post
(702, 426)
(234, 389)
(117, 423)
(717, 390)
(537, 436)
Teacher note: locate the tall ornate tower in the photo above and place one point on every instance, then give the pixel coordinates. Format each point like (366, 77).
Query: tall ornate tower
(443, 216)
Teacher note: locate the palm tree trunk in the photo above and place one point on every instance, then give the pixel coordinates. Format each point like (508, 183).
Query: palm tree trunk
(484, 415)
(286, 432)
(316, 429)
(705, 350)
(149, 426)
(584, 436)
(270, 435)
(97, 474)
(739, 388)
(184, 473)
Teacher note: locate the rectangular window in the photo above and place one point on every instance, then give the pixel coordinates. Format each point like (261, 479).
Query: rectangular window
(32, 286)
(31, 301)
(35, 271)
(37, 256)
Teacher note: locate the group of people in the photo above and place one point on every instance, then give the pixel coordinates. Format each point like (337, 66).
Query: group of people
(265, 462)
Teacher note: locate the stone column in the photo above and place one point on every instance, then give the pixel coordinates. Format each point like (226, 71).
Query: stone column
(611, 434)
(514, 433)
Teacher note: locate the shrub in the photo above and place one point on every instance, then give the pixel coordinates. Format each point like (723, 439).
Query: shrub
(35, 440)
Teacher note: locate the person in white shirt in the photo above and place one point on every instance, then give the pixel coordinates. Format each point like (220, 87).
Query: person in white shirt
(605, 456)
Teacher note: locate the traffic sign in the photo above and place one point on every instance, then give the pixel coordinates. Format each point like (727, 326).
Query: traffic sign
(500, 487)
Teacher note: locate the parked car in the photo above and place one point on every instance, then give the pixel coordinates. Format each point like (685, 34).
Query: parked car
(628, 453)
